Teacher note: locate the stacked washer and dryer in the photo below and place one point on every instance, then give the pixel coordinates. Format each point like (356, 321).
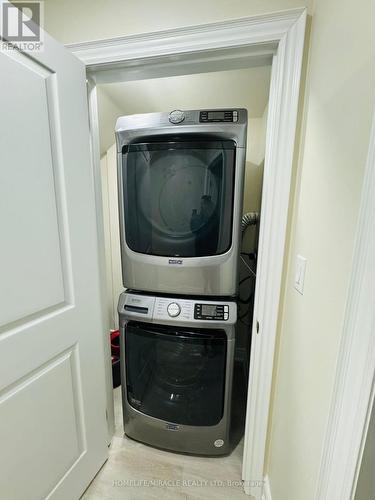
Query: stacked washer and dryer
(180, 177)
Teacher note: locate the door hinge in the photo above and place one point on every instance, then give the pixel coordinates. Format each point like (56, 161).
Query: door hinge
(257, 327)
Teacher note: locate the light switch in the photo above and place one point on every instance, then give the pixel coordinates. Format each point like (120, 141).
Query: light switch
(299, 277)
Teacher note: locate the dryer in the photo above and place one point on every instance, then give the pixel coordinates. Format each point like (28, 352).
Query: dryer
(180, 178)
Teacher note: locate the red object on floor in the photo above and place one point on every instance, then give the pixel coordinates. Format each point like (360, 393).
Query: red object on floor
(115, 342)
(115, 353)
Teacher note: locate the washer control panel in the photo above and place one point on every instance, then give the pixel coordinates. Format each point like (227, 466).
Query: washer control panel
(211, 312)
(173, 309)
(176, 309)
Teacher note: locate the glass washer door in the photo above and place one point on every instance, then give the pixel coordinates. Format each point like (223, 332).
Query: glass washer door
(178, 197)
(176, 374)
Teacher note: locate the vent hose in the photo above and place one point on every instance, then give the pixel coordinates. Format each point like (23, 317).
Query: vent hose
(249, 219)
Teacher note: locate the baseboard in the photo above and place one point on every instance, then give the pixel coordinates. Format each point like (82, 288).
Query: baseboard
(266, 489)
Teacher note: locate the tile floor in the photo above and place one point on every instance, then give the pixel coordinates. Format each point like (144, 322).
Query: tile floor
(135, 471)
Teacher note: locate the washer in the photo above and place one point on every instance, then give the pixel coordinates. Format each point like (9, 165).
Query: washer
(177, 360)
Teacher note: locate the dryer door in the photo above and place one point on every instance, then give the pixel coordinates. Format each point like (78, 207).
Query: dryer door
(178, 197)
(176, 374)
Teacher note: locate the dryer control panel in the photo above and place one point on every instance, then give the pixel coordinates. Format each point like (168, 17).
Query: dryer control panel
(217, 115)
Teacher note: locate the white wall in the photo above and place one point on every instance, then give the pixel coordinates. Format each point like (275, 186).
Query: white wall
(337, 113)
(107, 241)
(108, 164)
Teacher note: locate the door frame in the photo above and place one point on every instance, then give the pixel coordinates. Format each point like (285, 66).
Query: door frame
(354, 386)
(277, 37)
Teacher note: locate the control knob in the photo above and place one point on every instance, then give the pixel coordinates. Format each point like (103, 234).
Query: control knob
(176, 116)
(173, 309)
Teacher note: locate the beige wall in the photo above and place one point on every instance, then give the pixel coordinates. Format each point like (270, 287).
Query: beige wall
(247, 88)
(108, 111)
(77, 21)
(337, 111)
(366, 480)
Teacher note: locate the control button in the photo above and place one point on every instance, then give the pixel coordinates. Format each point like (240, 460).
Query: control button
(226, 316)
(226, 309)
(173, 309)
(176, 116)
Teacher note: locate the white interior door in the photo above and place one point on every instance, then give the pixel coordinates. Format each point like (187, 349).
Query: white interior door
(53, 433)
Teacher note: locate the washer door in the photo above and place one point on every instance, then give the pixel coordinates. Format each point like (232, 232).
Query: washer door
(176, 374)
(178, 197)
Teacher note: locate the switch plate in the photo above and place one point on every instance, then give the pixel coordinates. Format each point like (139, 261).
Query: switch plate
(299, 277)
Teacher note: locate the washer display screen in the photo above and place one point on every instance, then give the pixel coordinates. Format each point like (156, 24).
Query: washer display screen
(209, 310)
(214, 312)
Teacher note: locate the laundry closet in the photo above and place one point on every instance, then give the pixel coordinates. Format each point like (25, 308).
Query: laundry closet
(182, 203)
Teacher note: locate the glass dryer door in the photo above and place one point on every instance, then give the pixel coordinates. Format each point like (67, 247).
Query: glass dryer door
(178, 197)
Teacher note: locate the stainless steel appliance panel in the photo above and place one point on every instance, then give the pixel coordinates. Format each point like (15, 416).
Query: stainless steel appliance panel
(187, 270)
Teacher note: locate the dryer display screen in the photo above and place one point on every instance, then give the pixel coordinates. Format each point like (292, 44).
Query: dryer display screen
(219, 115)
(228, 115)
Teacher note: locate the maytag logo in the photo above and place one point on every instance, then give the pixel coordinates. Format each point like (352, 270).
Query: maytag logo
(172, 427)
(176, 261)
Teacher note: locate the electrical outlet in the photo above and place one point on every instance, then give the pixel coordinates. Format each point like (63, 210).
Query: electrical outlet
(299, 277)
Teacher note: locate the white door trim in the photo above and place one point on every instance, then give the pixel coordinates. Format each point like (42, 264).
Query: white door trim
(353, 393)
(209, 47)
(267, 494)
